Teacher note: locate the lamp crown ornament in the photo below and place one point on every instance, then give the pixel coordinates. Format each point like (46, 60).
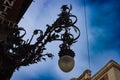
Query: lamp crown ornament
(23, 53)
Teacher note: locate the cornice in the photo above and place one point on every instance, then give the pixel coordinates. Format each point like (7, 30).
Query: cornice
(107, 67)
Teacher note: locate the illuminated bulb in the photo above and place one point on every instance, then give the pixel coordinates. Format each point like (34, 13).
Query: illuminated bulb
(66, 63)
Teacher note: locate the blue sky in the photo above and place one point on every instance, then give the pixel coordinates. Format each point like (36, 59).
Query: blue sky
(103, 33)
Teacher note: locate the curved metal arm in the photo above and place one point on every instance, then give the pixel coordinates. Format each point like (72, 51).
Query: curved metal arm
(25, 53)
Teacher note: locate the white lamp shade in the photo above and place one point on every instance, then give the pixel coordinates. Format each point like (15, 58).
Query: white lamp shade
(66, 63)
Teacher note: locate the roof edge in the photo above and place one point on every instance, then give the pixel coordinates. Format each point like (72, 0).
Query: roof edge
(108, 66)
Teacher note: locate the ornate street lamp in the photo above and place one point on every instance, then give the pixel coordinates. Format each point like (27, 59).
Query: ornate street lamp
(16, 52)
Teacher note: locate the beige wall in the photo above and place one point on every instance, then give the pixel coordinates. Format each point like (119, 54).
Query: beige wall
(111, 74)
(117, 74)
(114, 74)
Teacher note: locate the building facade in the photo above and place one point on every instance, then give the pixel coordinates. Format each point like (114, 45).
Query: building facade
(11, 11)
(111, 71)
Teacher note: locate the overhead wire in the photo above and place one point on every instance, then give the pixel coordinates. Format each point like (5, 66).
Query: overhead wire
(86, 28)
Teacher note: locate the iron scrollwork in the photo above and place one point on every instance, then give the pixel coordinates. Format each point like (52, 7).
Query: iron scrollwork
(23, 53)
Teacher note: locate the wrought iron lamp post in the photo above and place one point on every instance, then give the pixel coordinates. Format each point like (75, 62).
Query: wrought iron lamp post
(16, 52)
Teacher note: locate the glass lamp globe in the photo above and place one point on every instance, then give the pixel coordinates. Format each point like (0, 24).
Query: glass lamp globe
(66, 63)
